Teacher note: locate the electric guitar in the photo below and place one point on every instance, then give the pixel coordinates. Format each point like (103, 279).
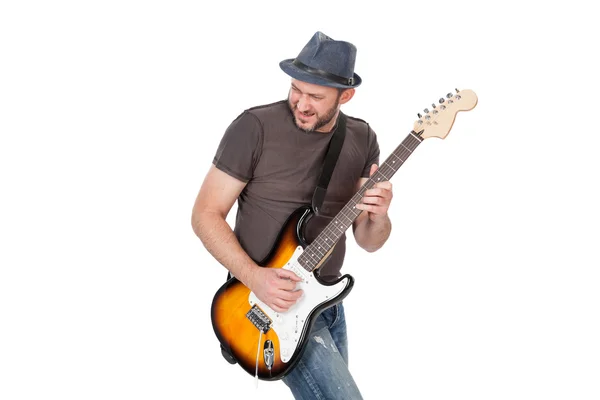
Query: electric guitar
(267, 344)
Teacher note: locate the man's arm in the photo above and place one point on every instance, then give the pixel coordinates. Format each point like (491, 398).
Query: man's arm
(218, 193)
(372, 228)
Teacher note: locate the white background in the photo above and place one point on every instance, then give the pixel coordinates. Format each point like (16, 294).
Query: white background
(110, 113)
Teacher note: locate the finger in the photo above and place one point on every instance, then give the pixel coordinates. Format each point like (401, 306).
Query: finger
(372, 209)
(289, 295)
(277, 308)
(373, 169)
(286, 274)
(384, 201)
(283, 304)
(287, 285)
(364, 207)
(387, 185)
(378, 191)
(372, 200)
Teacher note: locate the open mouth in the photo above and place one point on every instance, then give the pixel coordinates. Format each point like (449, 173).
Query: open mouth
(305, 114)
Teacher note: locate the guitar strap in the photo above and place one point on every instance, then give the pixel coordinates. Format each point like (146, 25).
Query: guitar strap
(333, 152)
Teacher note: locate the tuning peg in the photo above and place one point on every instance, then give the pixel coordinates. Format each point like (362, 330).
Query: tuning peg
(449, 95)
(433, 105)
(456, 90)
(419, 115)
(426, 111)
(441, 100)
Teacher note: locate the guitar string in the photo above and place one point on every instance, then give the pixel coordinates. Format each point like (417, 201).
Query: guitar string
(257, 357)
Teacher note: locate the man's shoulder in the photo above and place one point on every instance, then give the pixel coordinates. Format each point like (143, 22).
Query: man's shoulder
(358, 120)
(258, 114)
(358, 124)
(265, 109)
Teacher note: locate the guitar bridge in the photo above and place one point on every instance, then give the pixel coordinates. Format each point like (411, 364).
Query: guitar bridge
(259, 319)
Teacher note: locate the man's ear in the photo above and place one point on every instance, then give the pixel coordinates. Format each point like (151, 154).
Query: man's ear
(347, 94)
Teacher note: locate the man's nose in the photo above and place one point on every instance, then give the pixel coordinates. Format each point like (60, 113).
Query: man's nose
(302, 104)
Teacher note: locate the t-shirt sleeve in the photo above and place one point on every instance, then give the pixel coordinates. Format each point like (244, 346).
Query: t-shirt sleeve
(239, 149)
(372, 152)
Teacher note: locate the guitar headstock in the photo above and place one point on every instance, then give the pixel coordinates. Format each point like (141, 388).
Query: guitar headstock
(438, 121)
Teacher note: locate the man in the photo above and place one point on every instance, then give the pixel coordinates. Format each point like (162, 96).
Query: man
(269, 161)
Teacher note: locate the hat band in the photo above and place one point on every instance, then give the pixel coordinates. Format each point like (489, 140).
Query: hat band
(324, 74)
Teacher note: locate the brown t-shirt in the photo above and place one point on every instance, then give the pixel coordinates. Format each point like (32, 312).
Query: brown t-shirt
(281, 165)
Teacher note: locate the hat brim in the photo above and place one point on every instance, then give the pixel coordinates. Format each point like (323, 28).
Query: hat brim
(289, 68)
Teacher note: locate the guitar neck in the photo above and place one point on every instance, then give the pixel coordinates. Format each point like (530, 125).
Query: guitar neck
(317, 251)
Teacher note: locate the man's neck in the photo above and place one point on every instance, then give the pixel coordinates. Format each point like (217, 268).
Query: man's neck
(330, 125)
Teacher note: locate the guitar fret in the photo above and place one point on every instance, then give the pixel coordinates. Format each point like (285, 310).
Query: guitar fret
(303, 263)
(401, 160)
(319, 255)
(309, 260)
(330, 236)
(401, 144)
(416, 137)
(377, 178)
(339, 224)
(309, 255)
(319, 251)
(336, 227)
(343, 214)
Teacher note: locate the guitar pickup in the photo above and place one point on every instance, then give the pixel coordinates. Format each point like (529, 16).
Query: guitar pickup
(259, 319)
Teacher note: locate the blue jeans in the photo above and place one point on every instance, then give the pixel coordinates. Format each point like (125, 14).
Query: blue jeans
(322, 372)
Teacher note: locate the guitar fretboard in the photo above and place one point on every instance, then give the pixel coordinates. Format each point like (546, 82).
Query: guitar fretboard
(324, 242)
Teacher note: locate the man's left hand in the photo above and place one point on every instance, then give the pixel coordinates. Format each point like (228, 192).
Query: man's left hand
(376, 200)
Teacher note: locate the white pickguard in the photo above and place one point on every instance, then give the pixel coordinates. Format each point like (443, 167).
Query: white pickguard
(290, 324)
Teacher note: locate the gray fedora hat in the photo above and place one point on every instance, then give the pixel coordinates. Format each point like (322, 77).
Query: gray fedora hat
(324, 61)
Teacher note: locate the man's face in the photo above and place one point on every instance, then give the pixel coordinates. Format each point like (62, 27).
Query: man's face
(314, 107)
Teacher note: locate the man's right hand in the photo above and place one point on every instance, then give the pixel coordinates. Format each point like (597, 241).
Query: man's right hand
(276, 287)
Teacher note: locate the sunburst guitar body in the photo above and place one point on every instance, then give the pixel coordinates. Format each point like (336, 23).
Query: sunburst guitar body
(240, 318)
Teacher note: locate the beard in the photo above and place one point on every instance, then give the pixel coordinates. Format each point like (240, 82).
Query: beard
(322, 120)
